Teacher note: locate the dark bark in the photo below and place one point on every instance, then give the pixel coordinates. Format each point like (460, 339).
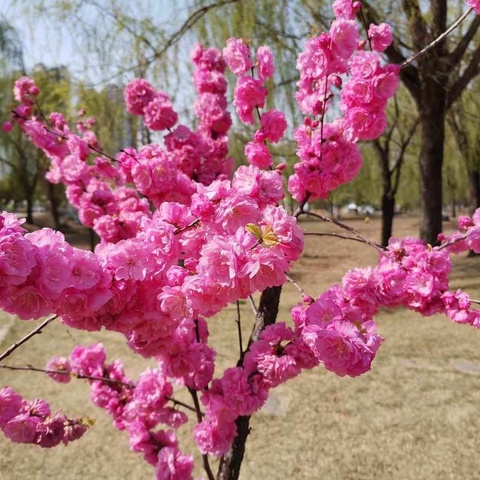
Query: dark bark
(52, 198)
(432, 131)
(428, 82)
(229, 468)
(475, 189)
(29, 200)
(230, 463)
(388, 212)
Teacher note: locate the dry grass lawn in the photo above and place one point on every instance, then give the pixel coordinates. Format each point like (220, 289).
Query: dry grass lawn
(414, 416)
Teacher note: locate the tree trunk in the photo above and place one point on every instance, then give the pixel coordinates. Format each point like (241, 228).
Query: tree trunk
(388, 211)
(230, 463)
(29, 200)
(475, 189)
(53, 205)
(432, 128)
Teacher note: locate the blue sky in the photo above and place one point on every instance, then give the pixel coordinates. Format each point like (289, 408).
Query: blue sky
(46, 41)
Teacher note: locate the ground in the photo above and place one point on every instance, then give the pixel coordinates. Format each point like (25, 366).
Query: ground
(413, 417)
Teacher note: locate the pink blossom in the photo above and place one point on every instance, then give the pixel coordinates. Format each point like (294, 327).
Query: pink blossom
(249, 93)
(364, 64)
(22, 428)
(88, 360)
(61, 365)
(237, 56)
(173, 465)
(11, 403)
(342, 347)
(73, 430)
(17, 259)
(7, 127)
(346, 8)
(475, 4)
(345, 36)
(158, 114)
(380, 36)
(138, 94)
(258, 155)
(266, 67)
(130, 261)
(273, 125)
(214, 435)
(24, 89)
(51, 431)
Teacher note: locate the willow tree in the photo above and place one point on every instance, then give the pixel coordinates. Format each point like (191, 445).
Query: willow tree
(435, 81)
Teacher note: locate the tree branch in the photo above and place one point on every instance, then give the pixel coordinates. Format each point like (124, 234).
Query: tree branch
(409, 74)
(206, 463)
(187, 25)
(457, 54)
(27, 337)
(472, 70)
(435, 42)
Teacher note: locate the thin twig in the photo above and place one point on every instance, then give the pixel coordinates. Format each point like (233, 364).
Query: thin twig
(206, 464)
(357, 234)
(239, 329)
(27, 337)
(452, 242)
(296, 285)
(300, 209)
(187, 227)
(252, 304)
(411, 59)
(63, 137)
(365, 26)
(337, 235)
(182, 404)
(31, 368)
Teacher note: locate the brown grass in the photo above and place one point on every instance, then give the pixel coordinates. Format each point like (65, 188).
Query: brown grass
(414, 416)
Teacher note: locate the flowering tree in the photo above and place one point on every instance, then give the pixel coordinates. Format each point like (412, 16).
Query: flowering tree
(183, 235)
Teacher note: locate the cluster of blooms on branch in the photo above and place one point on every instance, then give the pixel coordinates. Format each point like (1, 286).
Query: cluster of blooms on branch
(24, 421)
(182, 236)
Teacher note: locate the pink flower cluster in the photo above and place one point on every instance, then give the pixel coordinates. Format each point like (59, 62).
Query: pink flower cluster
(99, 189)
(328, 152)
(137, 287)
(475, 4)
(467, 237)
(365, 96)
(250, 94)
(154, 106)
(181, 238)
(24, 421)
(41, 273)
(136, 408)
(276, 357)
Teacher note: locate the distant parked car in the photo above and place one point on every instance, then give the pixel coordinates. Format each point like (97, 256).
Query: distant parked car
(352, 207)
(366, 209)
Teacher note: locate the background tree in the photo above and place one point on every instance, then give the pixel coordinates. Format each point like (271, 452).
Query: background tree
(391, 149)
(463, 120)
(435, 81)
